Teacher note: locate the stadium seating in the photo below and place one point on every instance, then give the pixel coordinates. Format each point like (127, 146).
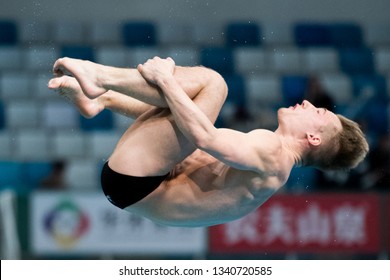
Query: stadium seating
(9, 32)
(243, 34)
(184, 56)
(57, 114)
(286, 60)
(338, 86)
(40, 58)
(6, 144)
(264, 91)
(15, 85)
(68, 144)
(218, 58)
(113, 56)
(39, 89)
(11, 58)
(175, 33)
(22, 114)
(78, 51)
(375, 83)
(382, 60)
(68, 32)
(101, 144)
(35, 171)
(139, 34)
(34, 32)
(376, 34)
(337, 35)
(320, 60)
(32, 144)
(139, 54)
(208, 33)
(237, 90)
(356, 61)
(10, 174)
(346, 35)
(82, 174)
(308, 34)
(104, 33)
(103, 121)
(277, 34)
(266, 65)
(293, 89)
(250, 60)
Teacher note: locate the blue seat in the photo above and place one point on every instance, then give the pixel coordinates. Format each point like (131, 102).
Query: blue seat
(343, 35)
(308, 34)
(139, 34)
(219, 59)
(376, 83)
(355, 61)
(293, 89)
(8, 33)
(237, 90)
(23, 176)
(10, 174)
(35, 172)
(338, 35)
(103, 121)
(80, 52)
(243, 34)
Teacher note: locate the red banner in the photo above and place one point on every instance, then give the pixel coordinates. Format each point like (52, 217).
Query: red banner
(306, 223)
(387, 215)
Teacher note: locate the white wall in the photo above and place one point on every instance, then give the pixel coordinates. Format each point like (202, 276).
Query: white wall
(197, 10)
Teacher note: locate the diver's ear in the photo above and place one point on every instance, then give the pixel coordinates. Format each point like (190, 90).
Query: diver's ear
(313, 139)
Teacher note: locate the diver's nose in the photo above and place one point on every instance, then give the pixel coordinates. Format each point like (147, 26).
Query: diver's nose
(306, 104)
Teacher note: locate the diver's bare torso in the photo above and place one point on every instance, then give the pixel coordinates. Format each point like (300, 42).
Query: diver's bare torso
(202, 191)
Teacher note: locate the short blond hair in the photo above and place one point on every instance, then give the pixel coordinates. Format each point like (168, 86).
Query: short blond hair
(344, 151)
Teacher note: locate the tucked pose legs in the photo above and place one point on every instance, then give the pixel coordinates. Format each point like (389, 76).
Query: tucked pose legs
(153, 142)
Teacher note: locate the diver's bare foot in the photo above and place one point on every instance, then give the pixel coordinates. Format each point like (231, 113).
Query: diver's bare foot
(85, 72)
(69, 88)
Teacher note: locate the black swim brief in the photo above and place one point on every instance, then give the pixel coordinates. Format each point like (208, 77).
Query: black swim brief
(124, 190)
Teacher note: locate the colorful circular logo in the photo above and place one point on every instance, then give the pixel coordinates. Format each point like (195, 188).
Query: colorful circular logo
(66, 223)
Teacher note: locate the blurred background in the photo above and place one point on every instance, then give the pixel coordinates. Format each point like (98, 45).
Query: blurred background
(336, 54)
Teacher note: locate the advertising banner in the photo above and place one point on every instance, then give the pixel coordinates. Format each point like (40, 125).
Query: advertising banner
(86, 223)
(304, 223)
(387, 215)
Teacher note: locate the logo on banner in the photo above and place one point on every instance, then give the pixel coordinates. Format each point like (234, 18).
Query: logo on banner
(66, 223)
